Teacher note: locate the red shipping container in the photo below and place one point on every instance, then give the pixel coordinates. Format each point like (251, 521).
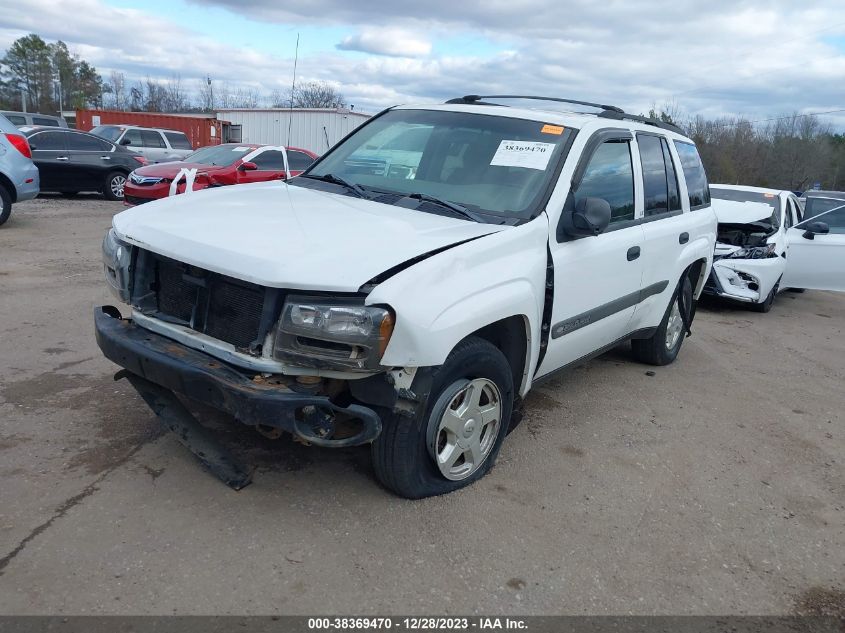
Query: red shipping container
(200, 129)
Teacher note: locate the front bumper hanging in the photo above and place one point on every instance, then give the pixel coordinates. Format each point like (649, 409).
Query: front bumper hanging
(172, 367)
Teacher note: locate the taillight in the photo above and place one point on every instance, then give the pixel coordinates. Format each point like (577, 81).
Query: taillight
(20, 143)
(140, 159)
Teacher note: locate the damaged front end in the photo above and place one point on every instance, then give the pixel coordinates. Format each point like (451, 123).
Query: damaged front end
(274, 360)
(746, 273)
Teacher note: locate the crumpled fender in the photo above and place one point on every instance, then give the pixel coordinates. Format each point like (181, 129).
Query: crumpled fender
(445, 298)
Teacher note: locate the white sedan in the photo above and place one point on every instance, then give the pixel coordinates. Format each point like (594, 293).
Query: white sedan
(765, 246)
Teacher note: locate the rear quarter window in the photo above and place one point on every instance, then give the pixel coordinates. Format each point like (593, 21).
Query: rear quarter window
(698, 188)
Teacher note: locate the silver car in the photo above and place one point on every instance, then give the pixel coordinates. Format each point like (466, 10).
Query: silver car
(18, 174)
(154, 144)
(21, 119)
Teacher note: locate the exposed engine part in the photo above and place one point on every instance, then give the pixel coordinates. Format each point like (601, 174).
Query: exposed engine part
(754, 234)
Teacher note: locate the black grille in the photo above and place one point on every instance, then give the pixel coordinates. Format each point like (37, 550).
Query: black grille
(234, 313)
(176, 297)
(221, 307)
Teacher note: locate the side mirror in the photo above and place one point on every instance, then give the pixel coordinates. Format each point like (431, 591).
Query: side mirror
(813, 228)
(247, 166)
(125, 141)
(590, 217)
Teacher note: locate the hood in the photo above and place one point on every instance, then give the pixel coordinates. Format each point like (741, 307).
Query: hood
(281, 236)
(169, 170)
(733, 212)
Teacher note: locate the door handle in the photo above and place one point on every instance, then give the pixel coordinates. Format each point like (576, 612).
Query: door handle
(633, 253)
(61, 158)
(683, 238)
(105, 157)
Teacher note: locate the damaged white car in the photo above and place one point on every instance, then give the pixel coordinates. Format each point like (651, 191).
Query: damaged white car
(765, 246)
(407, 292)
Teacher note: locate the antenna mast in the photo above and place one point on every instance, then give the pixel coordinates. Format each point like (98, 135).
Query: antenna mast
(292, 88)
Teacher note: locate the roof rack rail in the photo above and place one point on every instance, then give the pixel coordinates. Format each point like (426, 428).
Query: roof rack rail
(476, 99)
(642, 119)
(607, 111)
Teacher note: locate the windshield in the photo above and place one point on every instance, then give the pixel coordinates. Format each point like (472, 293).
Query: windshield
(819, 204)
(492, 164)
(108, 132)
(220, 155)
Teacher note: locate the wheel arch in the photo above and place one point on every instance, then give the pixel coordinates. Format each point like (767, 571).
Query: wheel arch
(9, 186)
(697, 272)
(511, 336)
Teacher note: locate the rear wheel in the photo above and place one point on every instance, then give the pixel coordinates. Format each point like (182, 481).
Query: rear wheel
(455, 439)
(113, 187)
(663, 346)
(5, 204)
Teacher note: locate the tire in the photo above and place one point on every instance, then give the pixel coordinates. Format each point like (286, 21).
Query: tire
(113, 185)
(767, 304)
(663, 346)
(404, 454)
(5, 204)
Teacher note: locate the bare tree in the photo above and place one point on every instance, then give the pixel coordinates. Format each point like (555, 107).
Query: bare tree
(116, 89)
(315, 94)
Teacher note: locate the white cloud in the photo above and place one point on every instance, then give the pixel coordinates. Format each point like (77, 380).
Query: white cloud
(387, 41)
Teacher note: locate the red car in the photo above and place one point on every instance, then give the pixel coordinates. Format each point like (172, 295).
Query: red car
(216, 165)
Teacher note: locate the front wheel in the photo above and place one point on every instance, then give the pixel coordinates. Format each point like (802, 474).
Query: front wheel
(455, 438)
(663, 346)
(113, 189)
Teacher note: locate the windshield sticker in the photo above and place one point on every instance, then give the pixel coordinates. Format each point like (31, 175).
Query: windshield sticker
(552, 129)
(240, 149)
(528, 154)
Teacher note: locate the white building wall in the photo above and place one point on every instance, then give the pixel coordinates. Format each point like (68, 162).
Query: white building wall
(315, 130)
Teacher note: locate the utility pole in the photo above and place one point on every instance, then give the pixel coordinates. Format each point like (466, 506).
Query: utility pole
(210, 94)
(61, 103)
(23, 100)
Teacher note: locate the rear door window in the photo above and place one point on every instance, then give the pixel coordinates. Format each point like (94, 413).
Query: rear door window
(660, 185)
(698, 188)
(38, 120)
(50, 141)
(610, 175)
(151, 138)
(178, 140)
(16, 119)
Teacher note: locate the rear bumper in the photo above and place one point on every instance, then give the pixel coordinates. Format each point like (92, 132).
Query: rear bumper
(27, 182)
(199, 376)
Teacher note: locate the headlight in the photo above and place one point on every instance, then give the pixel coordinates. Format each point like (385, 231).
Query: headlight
(117, 262)
(754, 252)
(335, 333)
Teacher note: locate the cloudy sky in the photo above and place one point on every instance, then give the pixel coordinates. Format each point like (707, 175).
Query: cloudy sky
(757, 58)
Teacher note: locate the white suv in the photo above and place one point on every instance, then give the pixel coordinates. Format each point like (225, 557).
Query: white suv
(412, 306)
(154, 144)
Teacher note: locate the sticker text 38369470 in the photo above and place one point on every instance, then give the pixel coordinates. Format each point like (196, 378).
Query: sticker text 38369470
(528, 154)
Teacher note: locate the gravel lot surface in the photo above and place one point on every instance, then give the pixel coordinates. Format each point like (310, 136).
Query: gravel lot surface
(714, 486)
